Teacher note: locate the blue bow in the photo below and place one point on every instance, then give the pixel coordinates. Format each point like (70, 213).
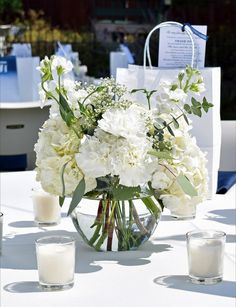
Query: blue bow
(195, 31)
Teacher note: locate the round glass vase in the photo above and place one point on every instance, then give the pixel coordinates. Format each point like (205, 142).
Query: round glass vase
(114, 225)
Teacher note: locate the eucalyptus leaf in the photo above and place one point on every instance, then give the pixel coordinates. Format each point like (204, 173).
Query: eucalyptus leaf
(186, 118)
(176, 124)
(170, 130)
(160, 154)
(186, 185)
(77, 195)
(65, 110)
(187, 108)
(62, 178)
(160, 136)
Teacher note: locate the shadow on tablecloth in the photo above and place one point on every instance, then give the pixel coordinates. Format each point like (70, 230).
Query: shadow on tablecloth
(23, 287)
(19, 253)
(225, 216)
(225, 288)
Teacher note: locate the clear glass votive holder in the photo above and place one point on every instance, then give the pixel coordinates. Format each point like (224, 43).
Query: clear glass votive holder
(47, 210)
(56, 262)
(184, 212)
(1, 227)
(205, 256)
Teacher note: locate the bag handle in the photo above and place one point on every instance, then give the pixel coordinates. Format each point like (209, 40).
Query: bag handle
(146, 53)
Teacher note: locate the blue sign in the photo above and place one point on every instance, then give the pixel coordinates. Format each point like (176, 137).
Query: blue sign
(9, 91)
(7, 65)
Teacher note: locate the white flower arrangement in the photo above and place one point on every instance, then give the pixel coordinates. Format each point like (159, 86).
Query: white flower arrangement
(97, 142)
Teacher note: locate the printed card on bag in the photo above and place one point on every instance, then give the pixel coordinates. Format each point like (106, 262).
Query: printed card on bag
(175, 48)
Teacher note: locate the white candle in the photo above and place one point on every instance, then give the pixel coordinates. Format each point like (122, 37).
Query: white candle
(56, 264)
(1, 226)
(56, 261)
(206, 255)
(205, 258)
(46, 207)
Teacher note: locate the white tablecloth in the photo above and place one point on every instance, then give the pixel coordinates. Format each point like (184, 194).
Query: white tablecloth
(155, 275)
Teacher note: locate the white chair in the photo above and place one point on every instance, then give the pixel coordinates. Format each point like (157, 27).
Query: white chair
(228, 146)
(19, 127)
(19, 83)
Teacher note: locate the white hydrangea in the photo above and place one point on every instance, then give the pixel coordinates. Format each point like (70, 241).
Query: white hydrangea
(104, 154)
(56, 146)
(160, 180)
(188, 160)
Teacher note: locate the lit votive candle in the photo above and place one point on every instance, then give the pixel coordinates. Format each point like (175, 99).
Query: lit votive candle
(1, 226)
(47, 210)
(206, 256)
(56, 262)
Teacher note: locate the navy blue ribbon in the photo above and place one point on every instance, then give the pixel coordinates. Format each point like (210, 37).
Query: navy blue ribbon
(195, 31)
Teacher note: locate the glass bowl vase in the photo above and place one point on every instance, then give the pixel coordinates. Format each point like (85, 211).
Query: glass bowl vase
(114, 225)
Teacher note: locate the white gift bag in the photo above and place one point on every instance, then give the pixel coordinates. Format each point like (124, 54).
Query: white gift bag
(207, 129)
(28, 78)
(117, 60)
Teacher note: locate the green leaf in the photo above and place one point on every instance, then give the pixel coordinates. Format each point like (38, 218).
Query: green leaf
(149, 94)
(206, 105)
(160, 136)
(61, 200)
(137, 90)
(100, 88)
(194, 87)
(160, 121)
(62, 178)
(160, 154)
(65, 110)
(196, 111)
(125, 193)
(77, 195)
(173, 87)
(187, 108)
(186, 185)
(151, 206)
(181, 76)
(195, 103)
(186, 118)
(176, 124)
(170, 130)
